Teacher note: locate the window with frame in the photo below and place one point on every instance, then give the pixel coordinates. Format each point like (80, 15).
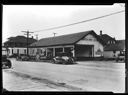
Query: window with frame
(25, 51)
(8, 50)
(12, 51)
(108, 42)
(33, 51)
(18, 51)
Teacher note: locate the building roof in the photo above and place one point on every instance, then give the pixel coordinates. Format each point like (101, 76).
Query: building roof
(105, 38)
(20, 39)
(64, 39)
(119, 45)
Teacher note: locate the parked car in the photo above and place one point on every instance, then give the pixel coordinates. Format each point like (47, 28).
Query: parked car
(32, 57)
(13, 56)
(23, 57)
(63, 58)
(44, 58)
(6, 62)
(121, 57)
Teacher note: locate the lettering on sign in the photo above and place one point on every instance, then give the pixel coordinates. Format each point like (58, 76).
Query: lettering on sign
(90, 38)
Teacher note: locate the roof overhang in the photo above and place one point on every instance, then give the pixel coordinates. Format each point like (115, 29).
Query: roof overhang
(63, 45)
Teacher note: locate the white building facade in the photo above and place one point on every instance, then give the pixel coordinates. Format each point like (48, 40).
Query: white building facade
(112, 50)
(17, 50)
(84, 46)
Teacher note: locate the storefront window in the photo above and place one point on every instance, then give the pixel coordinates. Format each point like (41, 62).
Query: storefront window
(12, 51)
(17, 51)
(24, 51)
(33, 51)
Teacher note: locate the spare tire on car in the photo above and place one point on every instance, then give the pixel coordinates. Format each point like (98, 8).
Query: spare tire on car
(6, 62)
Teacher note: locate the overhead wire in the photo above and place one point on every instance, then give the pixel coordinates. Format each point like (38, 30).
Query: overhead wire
(80, 21)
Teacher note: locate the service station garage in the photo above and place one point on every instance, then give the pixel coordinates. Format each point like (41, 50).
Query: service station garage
(80, 45)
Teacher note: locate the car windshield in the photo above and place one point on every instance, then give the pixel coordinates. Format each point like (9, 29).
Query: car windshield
(62, 54)
(65, 57)
(22, 54)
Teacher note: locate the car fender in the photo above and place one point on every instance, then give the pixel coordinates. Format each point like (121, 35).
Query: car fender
(54, 59)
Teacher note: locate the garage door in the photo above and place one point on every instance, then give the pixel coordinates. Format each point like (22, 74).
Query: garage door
(84, 51)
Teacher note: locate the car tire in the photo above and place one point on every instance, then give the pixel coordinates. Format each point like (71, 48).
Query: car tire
(53, 61)
(64, 62)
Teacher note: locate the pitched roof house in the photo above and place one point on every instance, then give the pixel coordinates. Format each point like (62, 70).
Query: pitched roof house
(107, 39)
(112, 50)
(18, 45)
(118, 46)
(18, 41)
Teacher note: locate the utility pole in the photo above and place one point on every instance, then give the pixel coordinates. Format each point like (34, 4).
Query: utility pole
(27, 38)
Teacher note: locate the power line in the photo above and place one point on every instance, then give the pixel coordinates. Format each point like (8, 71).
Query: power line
(80, 21)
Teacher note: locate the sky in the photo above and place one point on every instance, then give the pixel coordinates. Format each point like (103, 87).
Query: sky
(17, 18)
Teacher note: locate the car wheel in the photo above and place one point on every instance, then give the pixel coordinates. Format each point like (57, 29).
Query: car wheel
(64, 62)
(70, 61)
(53, 61)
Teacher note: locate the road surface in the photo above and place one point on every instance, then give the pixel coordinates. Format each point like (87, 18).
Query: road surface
(84, 76)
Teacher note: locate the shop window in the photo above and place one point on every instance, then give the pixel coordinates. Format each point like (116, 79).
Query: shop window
(17, 51)
(8, 50)
(108, 42)
(33, 52)
(12, 51)
(40, 51)
(24, 51)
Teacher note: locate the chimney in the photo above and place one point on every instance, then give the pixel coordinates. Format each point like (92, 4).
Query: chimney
(100, 32)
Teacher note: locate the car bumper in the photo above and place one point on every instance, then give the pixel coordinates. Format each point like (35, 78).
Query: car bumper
(64, 62)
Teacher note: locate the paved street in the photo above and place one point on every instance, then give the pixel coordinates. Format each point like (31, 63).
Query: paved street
(13, 82)
(84, 76)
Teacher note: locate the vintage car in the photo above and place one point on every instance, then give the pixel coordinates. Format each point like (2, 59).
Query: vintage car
(121, 57)
(13, 56)
(32, 57)
(6, 62)
(63, 58)
(44, 58)
(23, 57)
